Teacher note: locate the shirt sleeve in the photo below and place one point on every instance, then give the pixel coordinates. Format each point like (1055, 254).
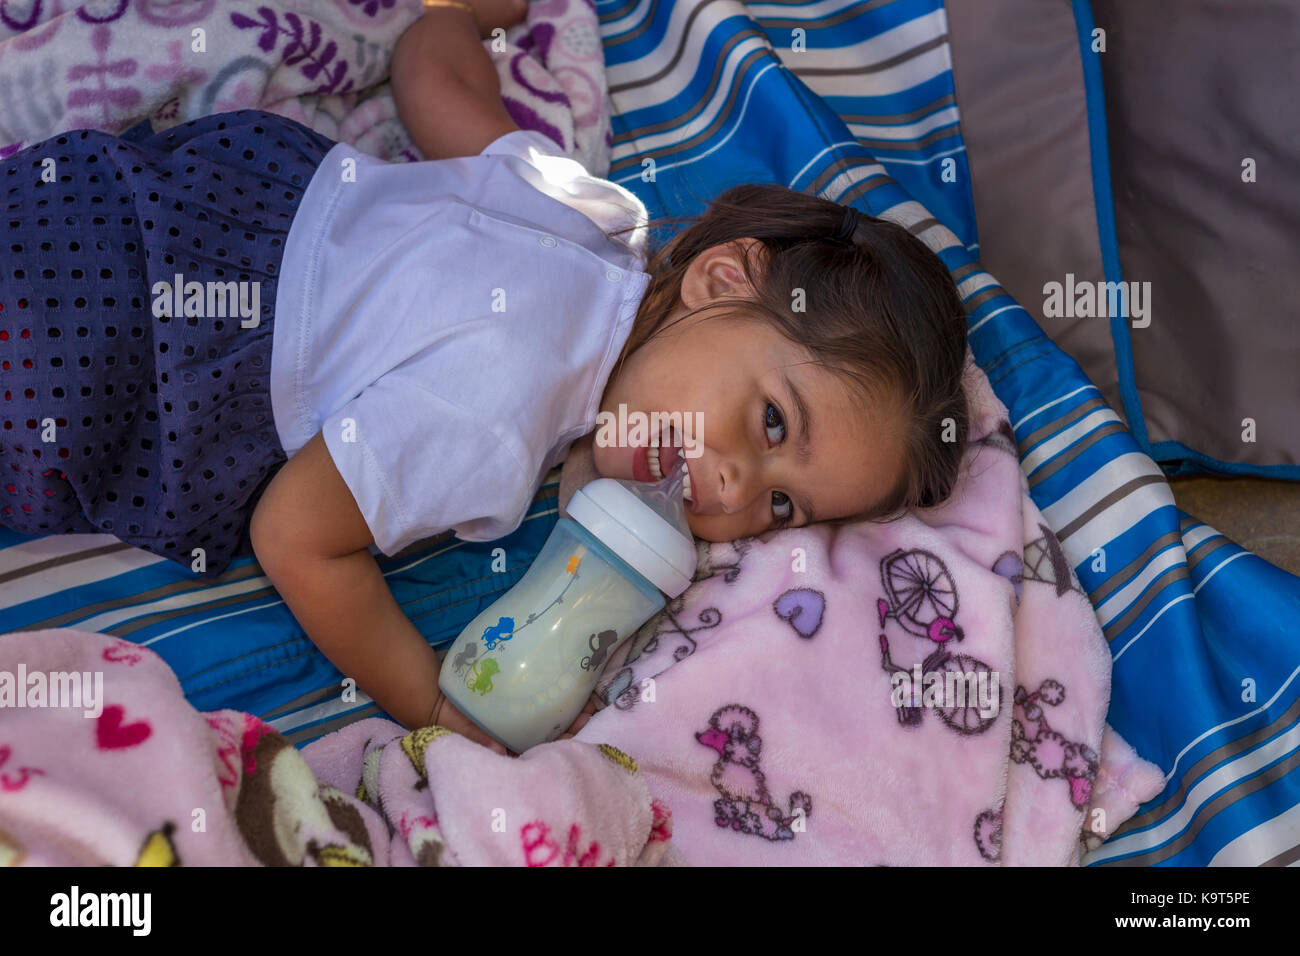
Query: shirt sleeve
(418, 464)
(607, 204)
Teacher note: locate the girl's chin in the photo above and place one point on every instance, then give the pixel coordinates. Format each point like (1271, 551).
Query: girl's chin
(715, 538)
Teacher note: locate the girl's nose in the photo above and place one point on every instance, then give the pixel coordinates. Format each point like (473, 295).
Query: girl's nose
(736, 491)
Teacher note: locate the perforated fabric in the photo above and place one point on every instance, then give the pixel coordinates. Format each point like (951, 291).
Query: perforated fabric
(162, 427)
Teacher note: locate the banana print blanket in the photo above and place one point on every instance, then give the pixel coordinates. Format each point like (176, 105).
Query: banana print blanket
(929, 691)
(104, 763)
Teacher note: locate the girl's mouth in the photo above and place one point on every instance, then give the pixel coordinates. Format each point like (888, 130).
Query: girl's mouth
(653, 467)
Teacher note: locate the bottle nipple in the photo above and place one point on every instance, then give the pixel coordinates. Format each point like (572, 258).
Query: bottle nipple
(666, 497)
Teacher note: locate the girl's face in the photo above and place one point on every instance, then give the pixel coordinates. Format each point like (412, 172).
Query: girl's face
(750, 396)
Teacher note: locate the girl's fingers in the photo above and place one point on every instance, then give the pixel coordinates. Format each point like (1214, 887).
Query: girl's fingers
(578, 724)
(476, 735)
(451, 718)
(479, 737)
(454, 721)
(580, 721)
(492, 14)
(493, 745)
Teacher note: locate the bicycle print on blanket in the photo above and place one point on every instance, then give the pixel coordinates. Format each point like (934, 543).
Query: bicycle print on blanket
(921, 597)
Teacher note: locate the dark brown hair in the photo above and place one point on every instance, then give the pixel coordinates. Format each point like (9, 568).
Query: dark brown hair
(882, 312)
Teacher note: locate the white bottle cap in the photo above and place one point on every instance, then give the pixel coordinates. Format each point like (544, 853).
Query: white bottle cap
(659, 546)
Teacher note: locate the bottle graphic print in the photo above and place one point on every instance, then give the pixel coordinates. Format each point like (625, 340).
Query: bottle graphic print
(602, 573)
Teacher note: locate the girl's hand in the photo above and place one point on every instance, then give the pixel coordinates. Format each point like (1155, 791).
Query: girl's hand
(580, 721)
(497, 13)
(449, 716)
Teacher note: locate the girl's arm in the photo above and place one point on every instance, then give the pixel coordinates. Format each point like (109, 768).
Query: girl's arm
(311, 540)
(445, 86)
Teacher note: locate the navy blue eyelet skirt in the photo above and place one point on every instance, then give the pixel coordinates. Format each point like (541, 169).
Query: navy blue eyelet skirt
(153, 428)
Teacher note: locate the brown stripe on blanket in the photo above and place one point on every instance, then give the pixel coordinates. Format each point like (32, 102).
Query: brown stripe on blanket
(1119, 494)
(1215, 757)
(755, 59)
(1154, 591)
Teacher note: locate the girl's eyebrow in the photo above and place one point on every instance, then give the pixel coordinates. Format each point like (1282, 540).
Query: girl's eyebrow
(803, 443)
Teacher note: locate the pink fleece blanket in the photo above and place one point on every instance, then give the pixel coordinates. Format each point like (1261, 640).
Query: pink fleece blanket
(129, 773)
(769, 709)
(764, 704)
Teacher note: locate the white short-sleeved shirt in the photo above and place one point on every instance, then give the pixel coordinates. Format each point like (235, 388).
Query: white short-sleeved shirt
(450, 326)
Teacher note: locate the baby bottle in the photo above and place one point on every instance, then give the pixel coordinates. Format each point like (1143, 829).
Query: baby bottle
(524, 668)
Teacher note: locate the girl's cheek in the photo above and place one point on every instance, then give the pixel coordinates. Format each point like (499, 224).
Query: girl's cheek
(604, 460)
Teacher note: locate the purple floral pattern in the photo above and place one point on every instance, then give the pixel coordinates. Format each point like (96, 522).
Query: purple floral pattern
(526, 117)
(371, 7)
(102, 11)
(20, 15)
(108, 64)
(369, 13)
(174, 72)
(113, 99)
(304, 44)
(168, 13)
(36, 38)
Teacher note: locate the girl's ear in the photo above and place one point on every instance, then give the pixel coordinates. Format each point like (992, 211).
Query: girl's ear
(719, 272)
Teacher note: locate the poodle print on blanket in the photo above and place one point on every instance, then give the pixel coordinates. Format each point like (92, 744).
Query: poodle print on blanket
(745, 805)
(812, 628)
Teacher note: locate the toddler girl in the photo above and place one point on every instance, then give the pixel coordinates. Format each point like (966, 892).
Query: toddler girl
(239, 328)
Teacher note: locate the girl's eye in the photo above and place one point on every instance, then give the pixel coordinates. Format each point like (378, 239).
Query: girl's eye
(771, 420)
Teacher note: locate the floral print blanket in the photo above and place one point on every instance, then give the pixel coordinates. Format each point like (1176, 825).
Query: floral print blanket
(108, 64)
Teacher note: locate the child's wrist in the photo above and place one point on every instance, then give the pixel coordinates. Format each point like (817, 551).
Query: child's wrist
(435, 8)
(436, 713)
(439, 698)
(451, 4)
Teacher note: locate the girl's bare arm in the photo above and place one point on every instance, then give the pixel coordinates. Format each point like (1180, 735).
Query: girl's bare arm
(445, 86)
(311, 541)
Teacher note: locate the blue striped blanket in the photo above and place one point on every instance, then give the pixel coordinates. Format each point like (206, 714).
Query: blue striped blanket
(1204, 681)
(854, 101)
